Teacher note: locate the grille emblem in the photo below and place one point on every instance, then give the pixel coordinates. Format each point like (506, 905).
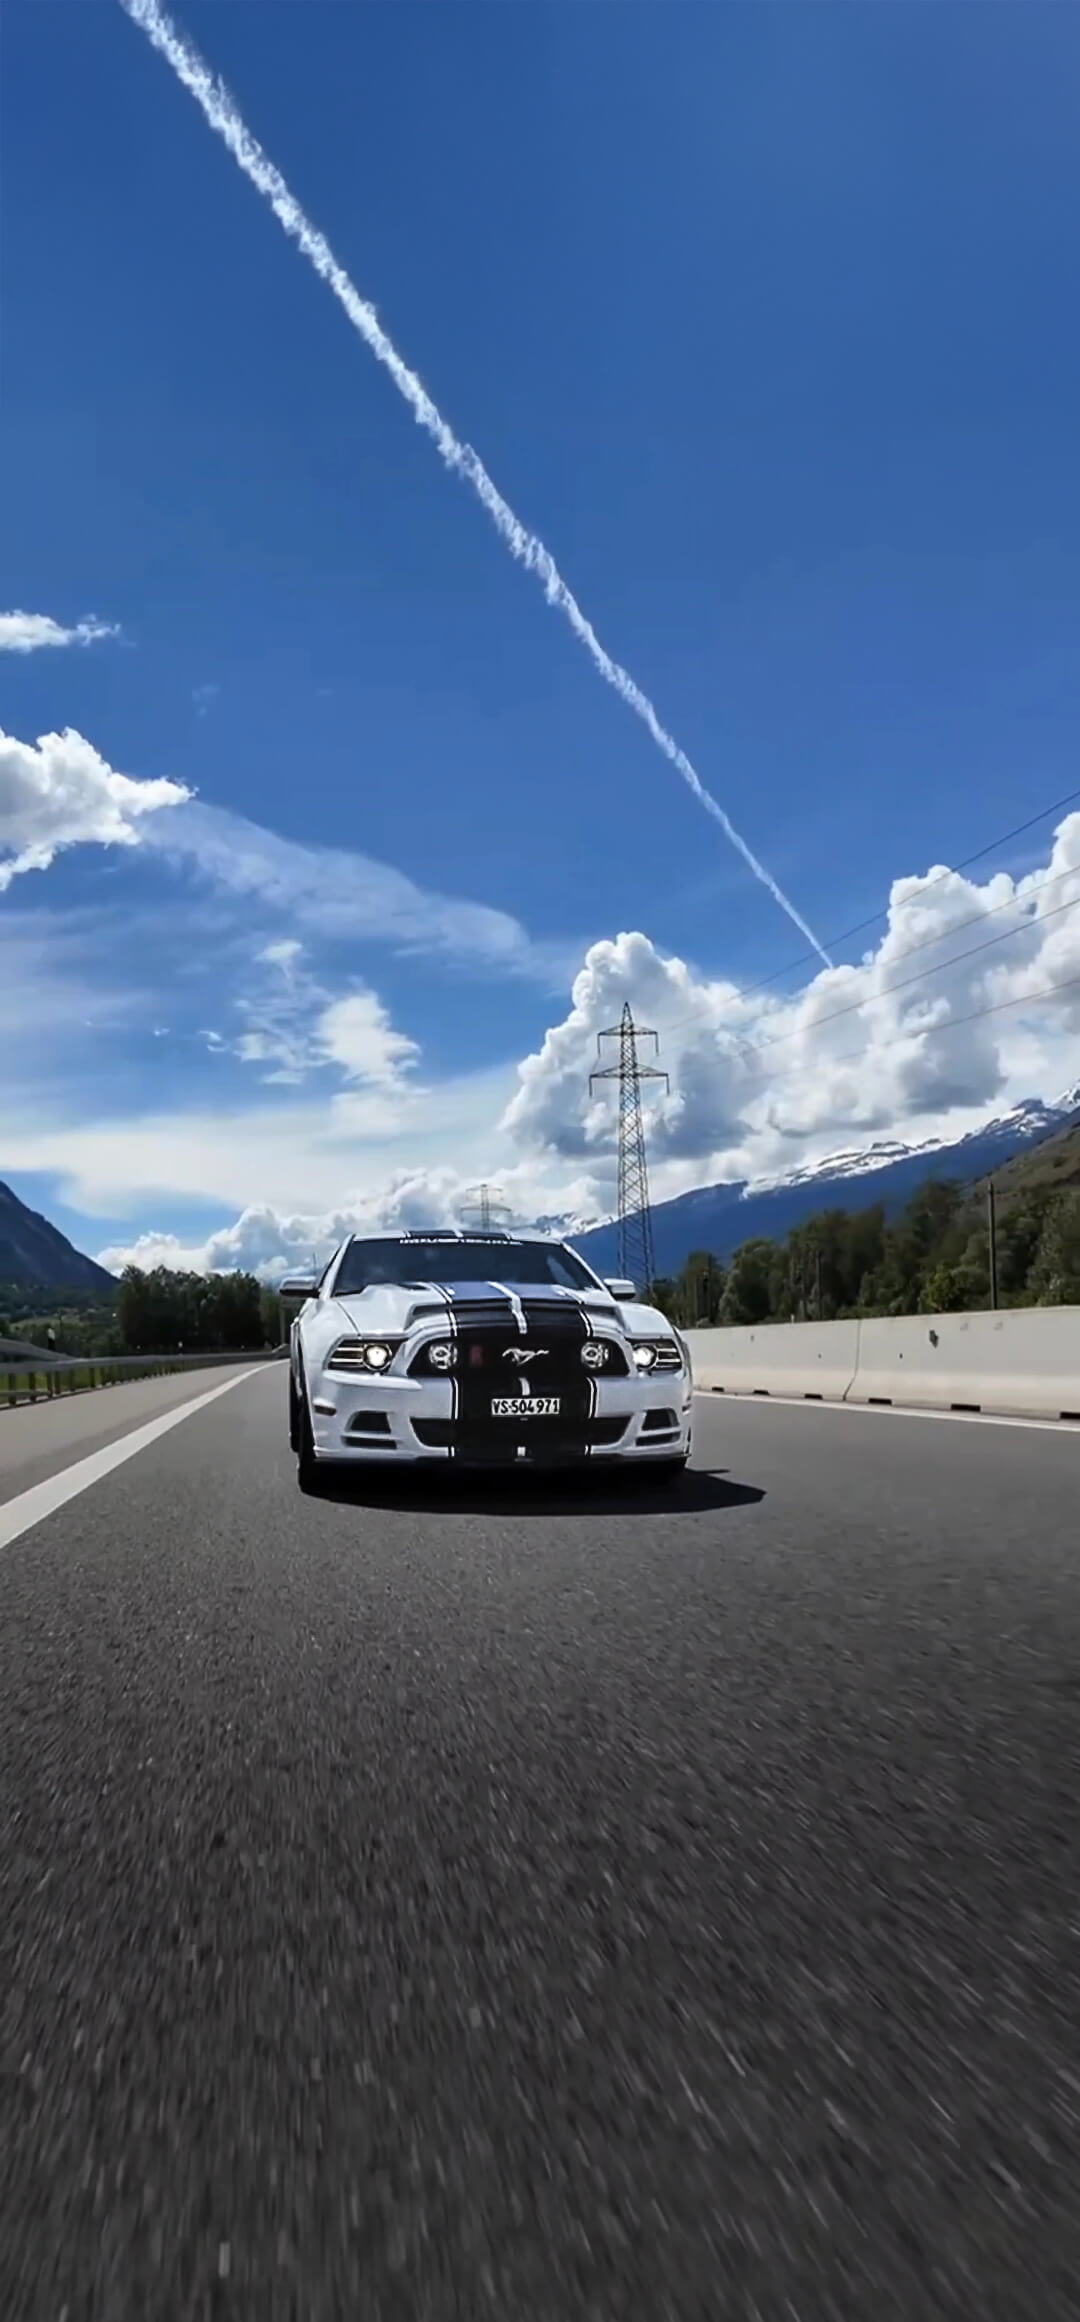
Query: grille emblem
(523, 1354)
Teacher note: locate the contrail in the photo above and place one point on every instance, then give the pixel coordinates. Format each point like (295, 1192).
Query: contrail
(212, 96)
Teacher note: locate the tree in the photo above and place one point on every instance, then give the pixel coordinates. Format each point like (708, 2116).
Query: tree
(162, 1311)
(748, 1292)
(1055, 1275)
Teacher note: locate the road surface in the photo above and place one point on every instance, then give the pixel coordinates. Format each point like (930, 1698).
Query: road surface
(551, 1905)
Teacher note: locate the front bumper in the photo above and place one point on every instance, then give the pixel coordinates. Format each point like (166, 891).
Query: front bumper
(394, 1421)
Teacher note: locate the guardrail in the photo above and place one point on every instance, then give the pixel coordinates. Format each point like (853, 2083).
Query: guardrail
(1021, 1362)
(75, 1375)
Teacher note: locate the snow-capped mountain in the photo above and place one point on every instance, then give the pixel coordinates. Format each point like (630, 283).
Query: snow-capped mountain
(719, 1217)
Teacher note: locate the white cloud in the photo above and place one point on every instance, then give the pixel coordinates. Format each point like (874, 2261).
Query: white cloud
(296, 1025)
(356, 1034)
(28, 632)
(59, 792)
(294, 1149)
(898, 1043)
(268, 1242)
(338, 895)
(761, 1082)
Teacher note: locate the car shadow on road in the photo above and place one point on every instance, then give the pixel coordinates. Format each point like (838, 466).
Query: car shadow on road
(471, 1492)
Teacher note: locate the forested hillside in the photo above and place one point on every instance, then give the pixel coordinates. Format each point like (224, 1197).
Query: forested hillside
(932, 1259)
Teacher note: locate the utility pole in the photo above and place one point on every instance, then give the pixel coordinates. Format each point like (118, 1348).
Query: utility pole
(991, 1228)
(484, 1200)
(635, 1220)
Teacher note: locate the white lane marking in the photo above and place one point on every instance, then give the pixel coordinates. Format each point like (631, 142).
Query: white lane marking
(890, 1410)
(43, 1499)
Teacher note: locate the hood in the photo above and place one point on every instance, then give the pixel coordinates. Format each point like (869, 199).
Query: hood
(388, 1306)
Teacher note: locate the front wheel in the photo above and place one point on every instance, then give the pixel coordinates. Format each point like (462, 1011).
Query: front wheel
(307, 1466)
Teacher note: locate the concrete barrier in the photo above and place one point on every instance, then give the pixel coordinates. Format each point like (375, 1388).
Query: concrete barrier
(815, 1359)
(1024, 1362)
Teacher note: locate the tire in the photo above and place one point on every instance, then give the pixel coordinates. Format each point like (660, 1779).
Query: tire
(294, 1416)
(307, 1466)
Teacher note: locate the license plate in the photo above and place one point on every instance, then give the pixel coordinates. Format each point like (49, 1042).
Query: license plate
(525, 1406)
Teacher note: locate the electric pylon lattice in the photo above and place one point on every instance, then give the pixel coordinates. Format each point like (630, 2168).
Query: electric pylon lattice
(635, 1221)
(483, 1204)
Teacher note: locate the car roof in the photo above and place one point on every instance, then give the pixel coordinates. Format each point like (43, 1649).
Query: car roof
(444, 1234)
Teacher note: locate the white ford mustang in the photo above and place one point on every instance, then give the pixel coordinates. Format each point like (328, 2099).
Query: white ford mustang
(482, 1349)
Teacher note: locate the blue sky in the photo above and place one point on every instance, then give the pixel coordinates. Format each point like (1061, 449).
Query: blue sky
(761, 317)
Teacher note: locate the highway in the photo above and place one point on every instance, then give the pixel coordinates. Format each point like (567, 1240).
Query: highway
(441, 1900)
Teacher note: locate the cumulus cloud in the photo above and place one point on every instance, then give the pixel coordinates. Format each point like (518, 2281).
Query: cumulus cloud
(969, 1003)
(553, 1106)
(28, 632)
(60, 792)
(356, 1034)
(268, 1242)
(931, 1024)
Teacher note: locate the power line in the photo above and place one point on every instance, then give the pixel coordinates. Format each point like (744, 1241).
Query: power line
(930, 1031)
(904, 983)
(925, 943)
(925, 887)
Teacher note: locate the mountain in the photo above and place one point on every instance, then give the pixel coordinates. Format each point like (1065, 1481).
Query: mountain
(36, 1256)
(719, 1217)
(1048, 1167)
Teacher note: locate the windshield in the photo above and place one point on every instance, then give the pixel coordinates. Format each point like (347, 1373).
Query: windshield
(543, 1265)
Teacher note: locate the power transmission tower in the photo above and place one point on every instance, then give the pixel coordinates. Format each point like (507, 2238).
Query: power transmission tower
(483, 1201)
(635, 1220)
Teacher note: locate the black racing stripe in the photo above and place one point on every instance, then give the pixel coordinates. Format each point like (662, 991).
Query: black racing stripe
(491, 1346)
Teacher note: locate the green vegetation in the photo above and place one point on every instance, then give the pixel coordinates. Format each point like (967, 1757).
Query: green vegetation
(167, 1313)
(84, 1322)
(932, 1259)
(149, 1313)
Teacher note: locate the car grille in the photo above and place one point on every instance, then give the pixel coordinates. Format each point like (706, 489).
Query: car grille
(477, 1349)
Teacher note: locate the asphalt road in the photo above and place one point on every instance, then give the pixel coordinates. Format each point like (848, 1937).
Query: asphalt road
(546, 1905)
(39, 1439)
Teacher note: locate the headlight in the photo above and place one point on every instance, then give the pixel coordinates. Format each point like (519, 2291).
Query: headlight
(658, 1354)
(441, 1354)
(360, 1354)
(594, 1355)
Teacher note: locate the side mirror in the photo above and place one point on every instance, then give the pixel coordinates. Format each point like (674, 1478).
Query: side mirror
(299, 1286)
(620, 1289)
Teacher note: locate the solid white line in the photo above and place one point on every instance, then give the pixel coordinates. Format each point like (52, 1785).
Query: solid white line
(43, 1499)
(890, 1410)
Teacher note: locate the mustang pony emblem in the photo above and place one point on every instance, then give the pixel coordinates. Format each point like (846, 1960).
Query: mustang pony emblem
(523, 1354)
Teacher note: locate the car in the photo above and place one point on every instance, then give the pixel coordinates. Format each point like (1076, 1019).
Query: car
(480, 1350)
